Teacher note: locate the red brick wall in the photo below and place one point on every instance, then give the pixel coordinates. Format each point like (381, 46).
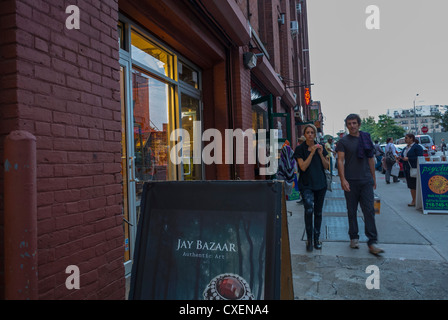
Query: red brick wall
(242, 108)
(67, 91)
(270, 32)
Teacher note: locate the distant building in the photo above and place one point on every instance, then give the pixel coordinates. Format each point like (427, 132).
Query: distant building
(424, 117)
(364, 114)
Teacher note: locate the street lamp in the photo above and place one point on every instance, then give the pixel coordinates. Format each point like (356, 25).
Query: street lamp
(415, 117)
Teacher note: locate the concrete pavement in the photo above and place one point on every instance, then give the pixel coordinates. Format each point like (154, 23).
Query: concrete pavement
(413, 266)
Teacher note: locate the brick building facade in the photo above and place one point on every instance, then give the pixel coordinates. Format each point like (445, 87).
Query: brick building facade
(100, 101)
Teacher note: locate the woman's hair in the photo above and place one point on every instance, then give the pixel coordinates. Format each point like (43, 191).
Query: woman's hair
(411, 136)
(389, 140)
(310, 126)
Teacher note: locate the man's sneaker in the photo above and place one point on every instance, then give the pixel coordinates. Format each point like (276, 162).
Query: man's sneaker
(354, 244)
(373, 249)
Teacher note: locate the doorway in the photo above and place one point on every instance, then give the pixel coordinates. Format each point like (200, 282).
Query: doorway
(191, 122)
(159, 94)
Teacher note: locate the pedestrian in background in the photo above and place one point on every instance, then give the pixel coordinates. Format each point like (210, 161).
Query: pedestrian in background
(312, 162)
(335, 158)
(356, 167)
(409, 157)
(300, 141)
(443, 146)
(331, 152)
(379, 156)
(391, 159)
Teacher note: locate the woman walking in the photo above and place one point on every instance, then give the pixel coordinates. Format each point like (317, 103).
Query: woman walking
(409, 157)
(391, 159)
(312, 162)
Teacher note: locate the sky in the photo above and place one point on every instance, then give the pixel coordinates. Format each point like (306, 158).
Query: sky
(354, 68)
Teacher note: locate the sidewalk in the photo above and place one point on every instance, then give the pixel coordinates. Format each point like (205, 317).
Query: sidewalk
(413, 266)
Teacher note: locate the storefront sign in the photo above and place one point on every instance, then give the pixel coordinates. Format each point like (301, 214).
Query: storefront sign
(307, 96)
(434, 187)
(208, 240)
(314, 112)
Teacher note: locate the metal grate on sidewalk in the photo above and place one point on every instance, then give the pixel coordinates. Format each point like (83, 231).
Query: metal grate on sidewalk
(334, 205)
(336, 229)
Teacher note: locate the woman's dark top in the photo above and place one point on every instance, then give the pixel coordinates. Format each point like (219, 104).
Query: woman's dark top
(414, 152)
(314, 176)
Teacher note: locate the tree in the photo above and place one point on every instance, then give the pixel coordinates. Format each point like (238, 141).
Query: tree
(386, 127)
(443, 118)
(369, 125)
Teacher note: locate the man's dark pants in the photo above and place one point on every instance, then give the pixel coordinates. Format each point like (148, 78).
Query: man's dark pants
(361, 191)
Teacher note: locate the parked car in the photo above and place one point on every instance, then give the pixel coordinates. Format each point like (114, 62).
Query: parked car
(402, 146)
(429, 148)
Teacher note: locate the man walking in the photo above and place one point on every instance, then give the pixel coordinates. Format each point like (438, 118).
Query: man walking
(356, 167)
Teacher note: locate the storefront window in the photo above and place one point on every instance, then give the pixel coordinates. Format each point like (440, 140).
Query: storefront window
(190, 118)
(120, 29)
(281, 125)
(188, 75)
(151, 104)
(150, 55)
(259, 116)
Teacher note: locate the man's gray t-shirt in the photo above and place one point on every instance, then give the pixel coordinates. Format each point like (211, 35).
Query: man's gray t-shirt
(354, 167)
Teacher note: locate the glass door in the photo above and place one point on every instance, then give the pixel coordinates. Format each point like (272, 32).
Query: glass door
(152, 101)
(281, 122)
(126, 161)
(158, 95)
(261, 116)
(191, 122)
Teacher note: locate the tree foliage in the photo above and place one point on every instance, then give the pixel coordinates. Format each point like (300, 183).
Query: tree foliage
(443, 118)
(383, 129)
(369, 125)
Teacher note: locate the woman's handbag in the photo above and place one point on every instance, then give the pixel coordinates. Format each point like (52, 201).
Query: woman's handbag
(412, 171)
(395, 170)
(390, 157)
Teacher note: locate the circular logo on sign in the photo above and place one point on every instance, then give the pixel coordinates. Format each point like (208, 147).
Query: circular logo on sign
(438, 184)
(228, 287)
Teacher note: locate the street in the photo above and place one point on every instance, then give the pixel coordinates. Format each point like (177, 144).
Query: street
(413, 266)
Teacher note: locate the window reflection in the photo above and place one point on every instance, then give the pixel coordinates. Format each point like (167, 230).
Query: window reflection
(151, 104)
(150, 55)
(188, 75)
(190, 119)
